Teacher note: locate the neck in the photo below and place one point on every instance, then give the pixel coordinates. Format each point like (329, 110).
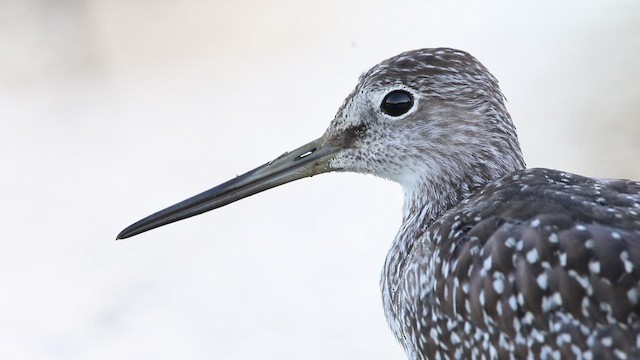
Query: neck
(423, 204)
(425, 201)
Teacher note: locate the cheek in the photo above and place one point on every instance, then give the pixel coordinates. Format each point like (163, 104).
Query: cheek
(382, 161)
(350, 160)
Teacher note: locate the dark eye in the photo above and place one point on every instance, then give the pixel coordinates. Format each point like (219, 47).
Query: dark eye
(397, 102)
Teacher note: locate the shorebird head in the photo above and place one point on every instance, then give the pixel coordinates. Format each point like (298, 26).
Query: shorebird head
(433, 120)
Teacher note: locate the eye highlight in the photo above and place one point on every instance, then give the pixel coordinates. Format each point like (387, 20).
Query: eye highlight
(397, 103)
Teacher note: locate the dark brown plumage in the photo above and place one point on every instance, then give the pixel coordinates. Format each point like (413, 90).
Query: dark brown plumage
(538, 263)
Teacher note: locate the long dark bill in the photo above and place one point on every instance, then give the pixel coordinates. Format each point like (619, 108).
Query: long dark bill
(307, 160)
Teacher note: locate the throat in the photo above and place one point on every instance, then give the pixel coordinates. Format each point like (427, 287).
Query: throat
(425, 201)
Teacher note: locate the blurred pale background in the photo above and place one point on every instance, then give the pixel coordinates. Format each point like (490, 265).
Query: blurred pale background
(113, 109)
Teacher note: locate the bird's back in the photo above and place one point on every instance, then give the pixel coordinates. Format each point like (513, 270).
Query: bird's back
(539, 262)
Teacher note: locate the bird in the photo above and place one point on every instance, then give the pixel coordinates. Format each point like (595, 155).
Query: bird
(493, 260)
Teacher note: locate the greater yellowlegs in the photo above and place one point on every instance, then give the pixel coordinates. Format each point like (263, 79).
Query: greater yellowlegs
(492, 260)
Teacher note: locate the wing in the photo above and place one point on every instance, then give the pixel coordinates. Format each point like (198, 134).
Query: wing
(541, 262)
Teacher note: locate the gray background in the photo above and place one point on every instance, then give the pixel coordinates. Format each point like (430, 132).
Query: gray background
(113, 109)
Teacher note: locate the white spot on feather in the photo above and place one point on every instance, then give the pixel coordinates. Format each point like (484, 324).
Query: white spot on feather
(498, 285)
(542, 281)
(532, 256)
(628, 265)
(486, 265)
(632, 295)
(563, 259)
